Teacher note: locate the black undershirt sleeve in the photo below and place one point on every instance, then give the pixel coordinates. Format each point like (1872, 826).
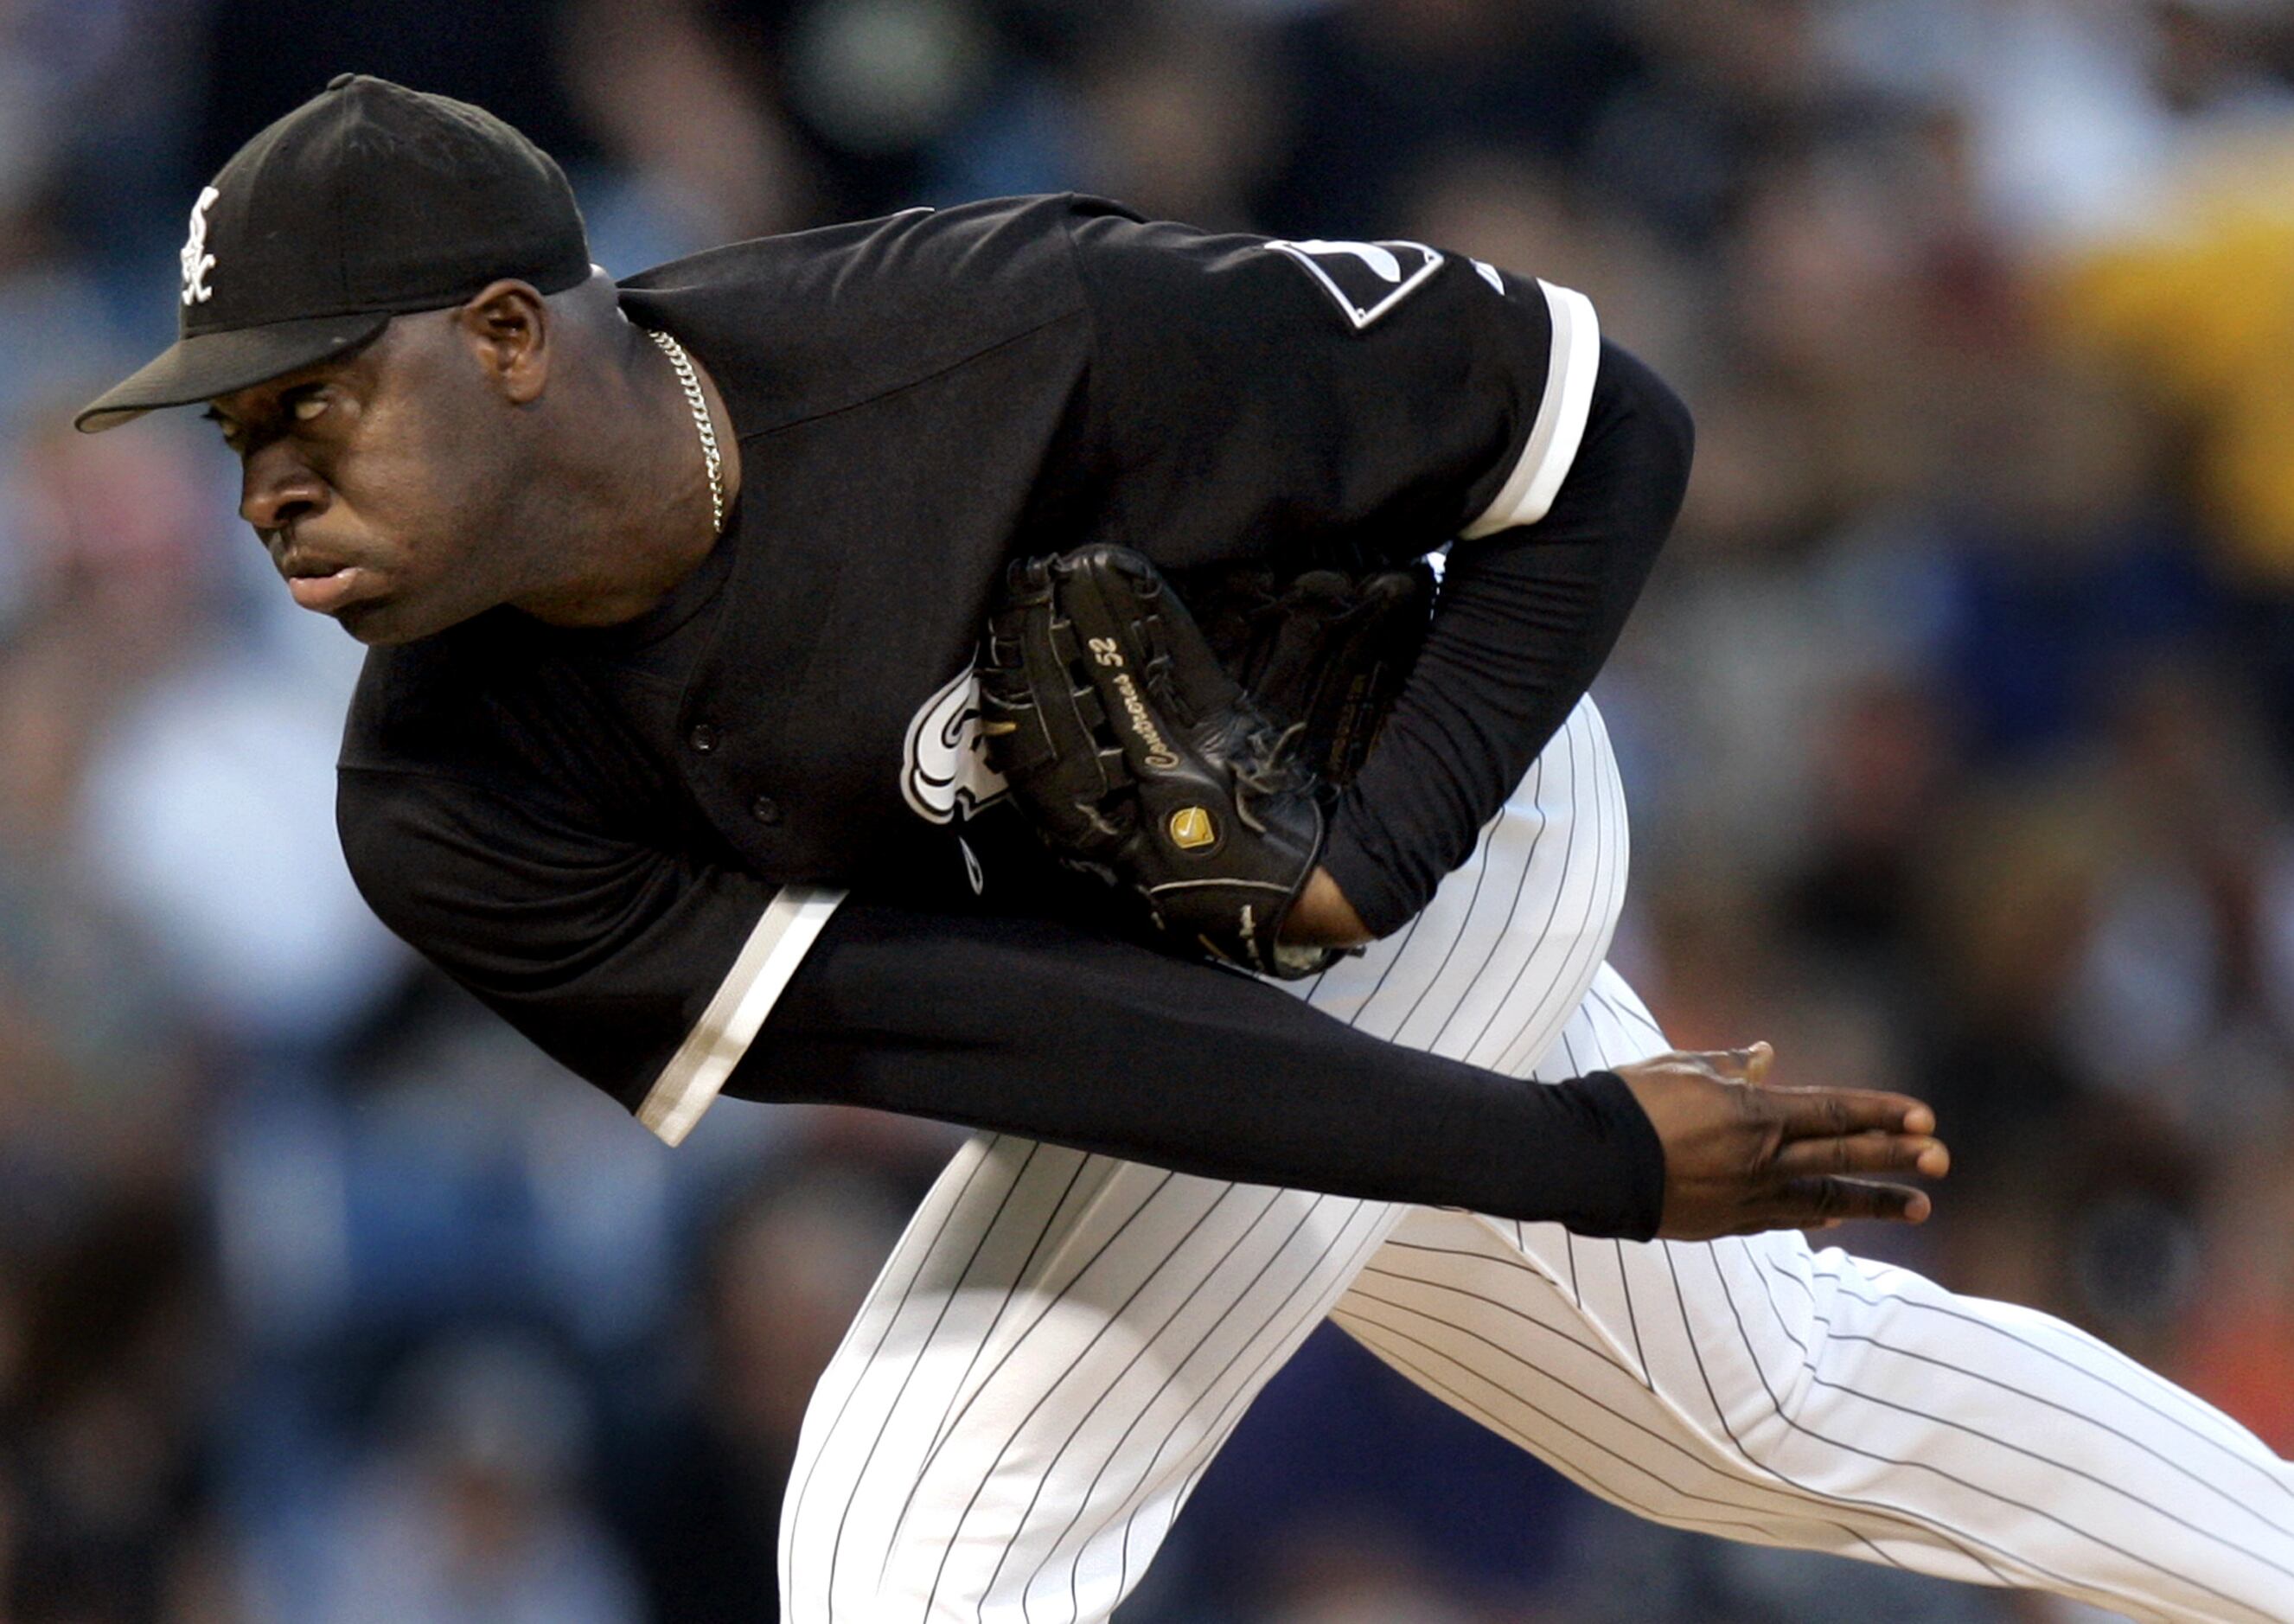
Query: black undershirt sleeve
(606, 953)
(1034, 1027)
(1524, 619)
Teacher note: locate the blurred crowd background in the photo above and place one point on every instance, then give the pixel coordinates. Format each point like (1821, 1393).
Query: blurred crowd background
(1957, 723)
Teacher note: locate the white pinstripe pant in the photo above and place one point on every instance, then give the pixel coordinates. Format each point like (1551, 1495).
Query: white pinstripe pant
(1061, 1342)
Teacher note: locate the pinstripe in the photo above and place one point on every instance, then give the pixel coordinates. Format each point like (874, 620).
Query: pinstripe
(1153, 1341)
(1764, 1532)
(985, 1148)
(1371, 1005)
(1141, 1413)
(1539, 1369)
(1407, 975)
(1583, 947)
(2028, 1396)
(1568, 988)
(1385, 974)
(1568, 849)
(2101, 1482)
(1581, 1365)
(1206, 1446)
(1633, 1316)
(1019, 1340)
(1878, 1272)
(1589, 942)
(1626, 1017)
(986, 1340)
(2223, 1432)
(1011, 1291)
(1473, 979)
(1597, 1003)
(1608, 1010)
(1558, 1333)
(1794, 1508)
(1507, 946)
(1484, 845)
(1602, 1009)
(1620, 1014)
(1380, 1339)
(1811, 1358)
(1912, 1305)
(1401, 952)
(2068, 1585)
(1975, 1556)
(1795, 1504)
(1050, 1385)
(923, 1351)
(1878, 1551)
(1477, 976)
(1289, 1329)
(1815, 1376)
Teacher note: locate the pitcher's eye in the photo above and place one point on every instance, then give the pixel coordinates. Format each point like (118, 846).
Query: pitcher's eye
(308, 406)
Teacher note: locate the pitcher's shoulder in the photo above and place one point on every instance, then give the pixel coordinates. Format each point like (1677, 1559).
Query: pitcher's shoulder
(439, 702)
(813, 321)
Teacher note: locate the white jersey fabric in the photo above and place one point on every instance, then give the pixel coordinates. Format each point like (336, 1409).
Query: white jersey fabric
(1061, 1342)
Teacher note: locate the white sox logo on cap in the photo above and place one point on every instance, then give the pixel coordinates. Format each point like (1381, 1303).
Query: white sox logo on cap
(362, 218)
(197, 261)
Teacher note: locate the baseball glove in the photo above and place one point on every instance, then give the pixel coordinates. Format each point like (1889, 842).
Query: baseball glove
(1324, 651)
(1141, 759)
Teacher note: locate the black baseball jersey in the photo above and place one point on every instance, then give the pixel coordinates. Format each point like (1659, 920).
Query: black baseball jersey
(748, 841)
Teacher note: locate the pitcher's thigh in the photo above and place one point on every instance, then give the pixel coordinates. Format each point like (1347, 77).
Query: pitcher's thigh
(1752, 1388)
(1495, 1327)
(1489, 970)
(1052, 1356)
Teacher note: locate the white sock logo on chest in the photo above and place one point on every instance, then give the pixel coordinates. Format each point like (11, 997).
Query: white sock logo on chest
(944, 773)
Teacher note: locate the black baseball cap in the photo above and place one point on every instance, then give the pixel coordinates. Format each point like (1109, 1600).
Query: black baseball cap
(367, 201)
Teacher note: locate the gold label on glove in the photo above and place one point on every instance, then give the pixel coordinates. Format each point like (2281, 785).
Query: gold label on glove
(1191, 827)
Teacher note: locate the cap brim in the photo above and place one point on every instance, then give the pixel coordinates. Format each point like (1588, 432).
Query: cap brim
(214, 363)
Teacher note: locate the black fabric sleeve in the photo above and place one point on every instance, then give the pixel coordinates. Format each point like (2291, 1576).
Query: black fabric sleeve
(1524, 620)
(1039, 1028)
(1240, 408)
(605, 954)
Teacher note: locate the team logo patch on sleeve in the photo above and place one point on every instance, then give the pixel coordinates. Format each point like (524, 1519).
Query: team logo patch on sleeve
(1365, 280)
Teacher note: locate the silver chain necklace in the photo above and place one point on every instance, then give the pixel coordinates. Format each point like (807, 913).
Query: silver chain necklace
(701, 420)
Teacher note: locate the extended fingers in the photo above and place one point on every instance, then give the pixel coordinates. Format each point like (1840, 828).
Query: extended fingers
(1870, 1152)
(1831, 1112)
(1805, 1202)
(1868, 1198)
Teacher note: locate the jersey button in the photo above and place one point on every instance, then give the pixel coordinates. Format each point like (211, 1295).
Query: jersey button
(702, 738)
(765, 810)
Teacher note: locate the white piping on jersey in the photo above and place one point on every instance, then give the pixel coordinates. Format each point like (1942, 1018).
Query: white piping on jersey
(1554, 438)
(689, 1083)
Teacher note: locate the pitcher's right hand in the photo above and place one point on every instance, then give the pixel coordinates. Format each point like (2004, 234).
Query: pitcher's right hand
(1741, 1156)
